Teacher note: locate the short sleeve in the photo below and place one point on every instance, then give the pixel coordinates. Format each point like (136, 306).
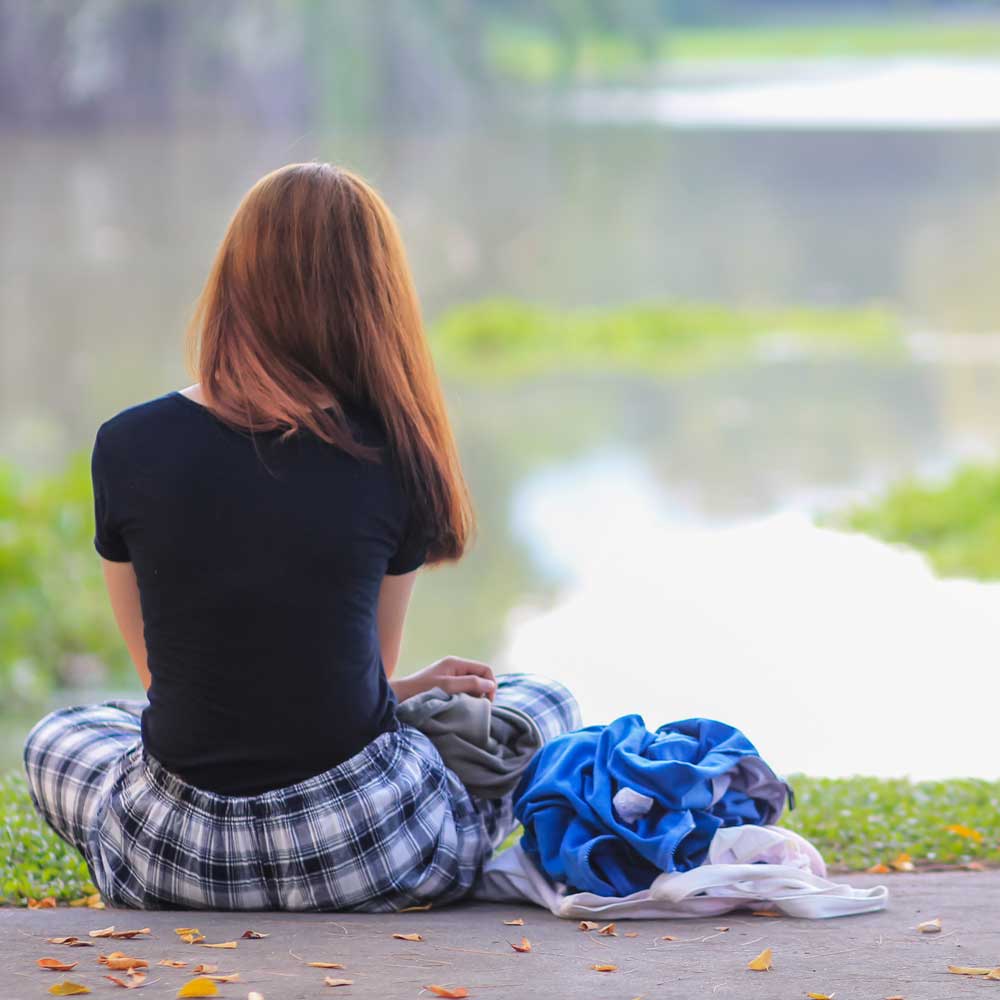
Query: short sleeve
(108, 538)
(411, 553)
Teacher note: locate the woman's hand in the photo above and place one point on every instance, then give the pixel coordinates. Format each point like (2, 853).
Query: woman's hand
(453, 675)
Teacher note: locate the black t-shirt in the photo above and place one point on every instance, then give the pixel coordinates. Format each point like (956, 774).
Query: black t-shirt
(259, 563)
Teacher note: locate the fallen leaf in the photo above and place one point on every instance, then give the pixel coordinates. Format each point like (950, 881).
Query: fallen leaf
(896, 997)
(408, 937)
(457, 993)
(588, 925)
(231, 977)
(104, 932)
(879, 869)
(930, 926)
(608, 930)
(194, 938)
(820, 996)
(975, 866)
(118, 962)
(762, 963)
(903, 863)
(222, 944)
(171, 965)
(516, 922)
(324, 965)
(200, 970)
(631, 934)
(765, 913)
(722, 930)
(253, 935)
(967, 970)
(993, 974)
(48, 903)
(186, 930)
(133, 984)
(73, 942)
(961, 830)
(668, 937)
(337, 982)
(128, 935)
(200, 987)
(415, 909)
(68, 989)
(524, 946)
(55, 965)
(605, 968)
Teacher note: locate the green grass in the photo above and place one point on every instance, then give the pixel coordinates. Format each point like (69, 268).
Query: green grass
(874, 39)
(34, 862)
(956, 524)
(855, 823)
(527, 55)
(503, 338)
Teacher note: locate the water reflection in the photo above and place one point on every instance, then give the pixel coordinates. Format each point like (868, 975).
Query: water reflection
(837, 654)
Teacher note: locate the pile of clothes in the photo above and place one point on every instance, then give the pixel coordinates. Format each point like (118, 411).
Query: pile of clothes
(622, 822)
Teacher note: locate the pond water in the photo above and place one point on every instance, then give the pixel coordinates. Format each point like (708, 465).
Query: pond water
(648, 540)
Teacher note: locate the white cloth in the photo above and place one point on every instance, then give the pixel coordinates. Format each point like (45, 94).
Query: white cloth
(790, 878)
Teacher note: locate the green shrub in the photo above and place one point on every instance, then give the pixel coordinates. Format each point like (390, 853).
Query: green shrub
(54, 612)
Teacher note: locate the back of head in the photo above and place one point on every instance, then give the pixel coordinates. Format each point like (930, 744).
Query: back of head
(310, 306)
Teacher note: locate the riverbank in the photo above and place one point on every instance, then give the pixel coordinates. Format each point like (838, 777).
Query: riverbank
(857, 824)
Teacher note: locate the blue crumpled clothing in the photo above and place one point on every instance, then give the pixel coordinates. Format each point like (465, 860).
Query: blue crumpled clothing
(699, 774)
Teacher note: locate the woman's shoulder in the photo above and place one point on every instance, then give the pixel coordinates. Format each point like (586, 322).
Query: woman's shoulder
(141, 420)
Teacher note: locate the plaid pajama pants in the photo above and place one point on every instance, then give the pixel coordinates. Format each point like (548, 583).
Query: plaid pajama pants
(389, 828)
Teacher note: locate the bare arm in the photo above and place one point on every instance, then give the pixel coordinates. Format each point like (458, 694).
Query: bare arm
(452, 673)
(124, 593)
(393, 600)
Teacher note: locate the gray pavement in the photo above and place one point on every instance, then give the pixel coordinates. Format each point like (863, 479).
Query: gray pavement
(856, 958)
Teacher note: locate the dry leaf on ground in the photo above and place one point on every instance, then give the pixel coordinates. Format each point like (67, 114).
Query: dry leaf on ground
(588, 925)
(415, 909)
(605, 968)
(230, 977)
(221, 944)
(56, 965)
(454, 993)
(516, 922)
(903, 863)
(762, 963)
(329, 981)
(969, 970)
(192, 938)
(324, 965)
(879, 869)
(48, 903)
(930, 926)
(68, 989)
(170, 964)
(408, 937)
(608, 930)
(200, 987)
(668, 937)
(73, 942)
(820, 996)
(765, 913)
(119, 962)
(253, 935)
(525, 945)
(201, 970)
(722, 930)
(132, 984)
(631, 934)
(104, 932)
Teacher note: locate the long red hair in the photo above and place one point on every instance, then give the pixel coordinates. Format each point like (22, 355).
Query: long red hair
(310, 305)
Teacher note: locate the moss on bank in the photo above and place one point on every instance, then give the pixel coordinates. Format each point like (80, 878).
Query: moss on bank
(956, 524)
(855, 823)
